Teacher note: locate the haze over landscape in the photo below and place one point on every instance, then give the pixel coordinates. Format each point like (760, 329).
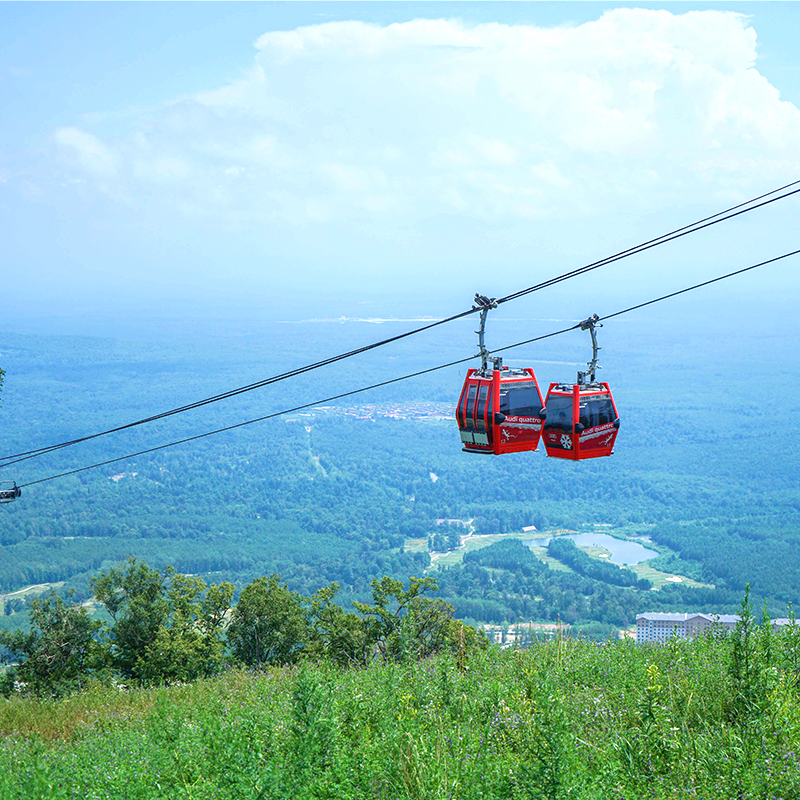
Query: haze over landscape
(198, 196)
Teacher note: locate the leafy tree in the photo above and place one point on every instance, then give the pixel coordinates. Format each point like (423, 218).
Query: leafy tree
(166, 627)
(189, 641)
(339, 636)
(60, 650)
(135, 598)
(425, 630)
(390, 633)
(269, 624)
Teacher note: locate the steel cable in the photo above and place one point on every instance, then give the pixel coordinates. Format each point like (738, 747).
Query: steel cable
(406, 377)
(721, 216)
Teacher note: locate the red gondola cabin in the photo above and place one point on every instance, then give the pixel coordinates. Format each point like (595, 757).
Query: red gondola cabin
(581, 422)
(500, 410)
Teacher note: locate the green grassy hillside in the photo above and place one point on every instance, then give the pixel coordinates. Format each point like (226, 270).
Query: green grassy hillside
(714, 718)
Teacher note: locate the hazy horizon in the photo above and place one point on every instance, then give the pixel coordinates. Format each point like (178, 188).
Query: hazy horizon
(268, 161)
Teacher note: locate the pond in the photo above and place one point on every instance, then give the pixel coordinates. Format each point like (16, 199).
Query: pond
(622, 551)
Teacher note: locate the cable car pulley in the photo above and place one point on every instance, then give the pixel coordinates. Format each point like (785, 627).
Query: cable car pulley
(590, 324)
(485, 304)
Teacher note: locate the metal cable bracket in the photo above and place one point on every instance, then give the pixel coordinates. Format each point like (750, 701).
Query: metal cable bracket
(590, 325)
(485, 304)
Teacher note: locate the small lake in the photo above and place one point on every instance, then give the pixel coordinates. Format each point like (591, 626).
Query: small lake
(622, 551)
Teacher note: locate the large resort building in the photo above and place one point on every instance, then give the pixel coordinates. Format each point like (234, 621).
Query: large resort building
(658, 627)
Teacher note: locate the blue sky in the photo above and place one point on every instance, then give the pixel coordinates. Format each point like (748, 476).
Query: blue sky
(266, 158)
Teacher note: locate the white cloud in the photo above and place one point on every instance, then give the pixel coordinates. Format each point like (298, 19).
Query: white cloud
(352, 121)
(348, 178)
(91, 153)
(548, 172)
(166, 169)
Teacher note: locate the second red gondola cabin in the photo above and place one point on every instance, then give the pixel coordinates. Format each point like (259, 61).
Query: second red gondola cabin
(581, 422)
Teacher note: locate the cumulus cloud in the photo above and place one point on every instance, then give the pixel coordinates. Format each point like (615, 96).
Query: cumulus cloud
(350, 120)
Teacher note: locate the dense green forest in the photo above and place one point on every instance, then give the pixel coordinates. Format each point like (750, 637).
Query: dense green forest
(347, 493)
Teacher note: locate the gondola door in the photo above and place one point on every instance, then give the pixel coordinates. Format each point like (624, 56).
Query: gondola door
(559, 424)
(518, 411)
(475, 413)
(598, 421)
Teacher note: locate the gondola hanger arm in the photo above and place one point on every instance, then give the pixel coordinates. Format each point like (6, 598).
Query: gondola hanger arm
(485, 304)
(589, 325)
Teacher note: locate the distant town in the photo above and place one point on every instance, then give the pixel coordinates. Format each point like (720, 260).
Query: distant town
(409, 410)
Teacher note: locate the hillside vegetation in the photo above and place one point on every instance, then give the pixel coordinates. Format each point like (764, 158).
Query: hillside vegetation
(169, 627)
(220, 679)
(713, 718)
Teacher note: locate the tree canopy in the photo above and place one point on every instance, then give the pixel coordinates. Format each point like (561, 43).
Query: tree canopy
(166, 627)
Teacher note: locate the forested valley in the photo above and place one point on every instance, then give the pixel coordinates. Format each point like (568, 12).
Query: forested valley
(362, 488)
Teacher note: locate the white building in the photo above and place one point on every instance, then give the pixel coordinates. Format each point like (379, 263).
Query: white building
(658, 627)
(783, 622)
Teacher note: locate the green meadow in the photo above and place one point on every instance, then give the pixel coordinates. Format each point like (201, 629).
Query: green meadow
(713, 718)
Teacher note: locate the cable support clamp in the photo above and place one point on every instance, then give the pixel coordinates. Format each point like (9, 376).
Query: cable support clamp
(482, 301)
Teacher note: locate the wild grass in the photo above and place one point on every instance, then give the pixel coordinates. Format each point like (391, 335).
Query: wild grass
(563, 719)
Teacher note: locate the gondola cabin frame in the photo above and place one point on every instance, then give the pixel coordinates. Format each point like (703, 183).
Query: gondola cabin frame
(581, 421)
(9, 491)
(499, 411)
